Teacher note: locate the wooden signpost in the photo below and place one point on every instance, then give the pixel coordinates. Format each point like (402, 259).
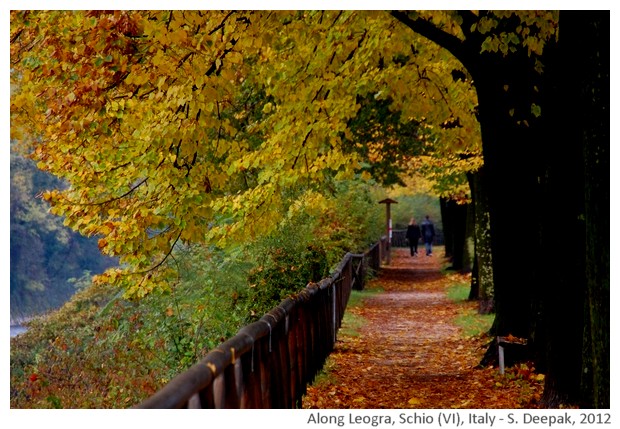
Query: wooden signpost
(388, 228)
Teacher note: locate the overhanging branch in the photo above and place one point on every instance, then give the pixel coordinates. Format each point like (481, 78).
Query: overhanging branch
(426, 29)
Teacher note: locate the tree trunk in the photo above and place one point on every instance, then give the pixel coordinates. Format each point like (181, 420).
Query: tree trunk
(483, 263)
(595, 95)
(474, 289)
(468, 242)
(511, 182)
(561, 279)
(456, 217)
(574, 356)
(447, 227)
(584, 45)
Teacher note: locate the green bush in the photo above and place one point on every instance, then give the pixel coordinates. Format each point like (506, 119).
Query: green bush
(286, 262)
(307, 246)
(102, 351)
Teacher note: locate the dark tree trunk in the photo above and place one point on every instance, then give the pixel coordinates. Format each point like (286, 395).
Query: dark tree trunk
(482, 271)
(456, 218)
(583, 73)
(474, 290)
(468, 242)
(597, 160)
(575, 182)
(561, 279)
(511, 182)
(447, 227)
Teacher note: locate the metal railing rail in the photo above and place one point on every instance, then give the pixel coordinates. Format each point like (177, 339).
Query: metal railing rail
(269, 363)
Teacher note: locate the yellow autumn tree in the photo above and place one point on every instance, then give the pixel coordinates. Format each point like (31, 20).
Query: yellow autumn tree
(190, 126)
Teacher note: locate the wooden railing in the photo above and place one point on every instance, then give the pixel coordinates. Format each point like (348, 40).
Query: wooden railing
(269, 363)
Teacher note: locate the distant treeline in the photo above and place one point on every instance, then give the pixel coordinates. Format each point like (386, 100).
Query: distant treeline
(48, 261)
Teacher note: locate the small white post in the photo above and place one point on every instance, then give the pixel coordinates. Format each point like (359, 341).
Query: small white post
(501, 358)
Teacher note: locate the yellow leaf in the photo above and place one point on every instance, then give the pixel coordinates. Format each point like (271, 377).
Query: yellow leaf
(414, 401)
(179, 36)
(158, 58)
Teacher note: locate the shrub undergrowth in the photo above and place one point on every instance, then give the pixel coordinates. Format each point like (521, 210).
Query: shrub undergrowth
(103, 351)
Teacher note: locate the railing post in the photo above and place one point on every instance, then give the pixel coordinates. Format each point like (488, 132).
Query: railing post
(219, 391)
(333, 289)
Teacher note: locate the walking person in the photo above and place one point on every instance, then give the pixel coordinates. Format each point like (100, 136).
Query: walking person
(413, 236)
(428, 233)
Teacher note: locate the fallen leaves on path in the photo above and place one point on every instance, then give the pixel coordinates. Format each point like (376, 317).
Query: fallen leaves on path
(410, 354)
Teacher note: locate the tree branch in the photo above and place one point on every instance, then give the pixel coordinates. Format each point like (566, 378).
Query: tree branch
(221, 26)
(302, 146)
(426, 29)
(169, 253)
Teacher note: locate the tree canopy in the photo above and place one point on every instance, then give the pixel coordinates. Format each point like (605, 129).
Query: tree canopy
(188, 126)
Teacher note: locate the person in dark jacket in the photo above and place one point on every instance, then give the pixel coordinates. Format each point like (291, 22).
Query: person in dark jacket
(413, 236)
(428, 233)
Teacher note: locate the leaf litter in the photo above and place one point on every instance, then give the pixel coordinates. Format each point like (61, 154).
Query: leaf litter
(410, 354)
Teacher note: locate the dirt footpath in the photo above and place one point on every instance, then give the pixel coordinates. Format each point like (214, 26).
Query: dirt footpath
(409, 353)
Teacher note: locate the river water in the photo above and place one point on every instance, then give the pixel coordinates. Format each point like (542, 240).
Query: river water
(17, 329)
